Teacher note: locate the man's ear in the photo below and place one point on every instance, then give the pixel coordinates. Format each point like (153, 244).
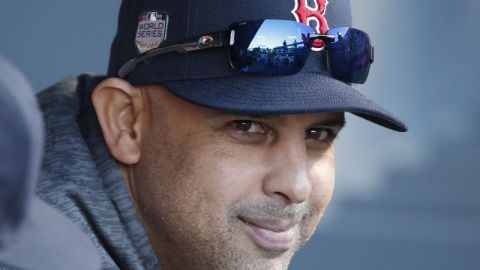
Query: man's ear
(120, 112)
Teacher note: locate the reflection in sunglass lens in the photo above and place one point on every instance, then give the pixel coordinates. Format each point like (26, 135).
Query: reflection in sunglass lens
(273, 47)
(350, 55)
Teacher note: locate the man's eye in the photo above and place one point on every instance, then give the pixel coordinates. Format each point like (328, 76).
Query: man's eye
(319, 137)
(319, 134)
(248, 126)
(248, 131)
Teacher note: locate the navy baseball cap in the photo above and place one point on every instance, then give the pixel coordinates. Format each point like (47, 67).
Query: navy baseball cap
(33, 235)
(206, 78)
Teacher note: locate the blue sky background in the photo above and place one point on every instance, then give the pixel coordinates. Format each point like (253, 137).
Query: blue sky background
(402, 201)
(271, 36)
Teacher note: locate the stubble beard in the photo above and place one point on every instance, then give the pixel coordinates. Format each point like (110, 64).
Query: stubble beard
(215, 243)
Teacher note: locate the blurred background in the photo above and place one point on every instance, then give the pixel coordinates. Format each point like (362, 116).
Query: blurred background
(402, 201)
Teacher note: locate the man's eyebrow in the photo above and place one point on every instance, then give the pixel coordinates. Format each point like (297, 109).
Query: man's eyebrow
(332, 122)
(214, 114)
(278, 118)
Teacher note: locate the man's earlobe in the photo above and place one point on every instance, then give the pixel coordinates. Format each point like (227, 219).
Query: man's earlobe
(120, 112)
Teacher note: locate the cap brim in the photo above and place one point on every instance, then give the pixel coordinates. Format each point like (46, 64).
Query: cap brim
(49, 240)
(299, 93)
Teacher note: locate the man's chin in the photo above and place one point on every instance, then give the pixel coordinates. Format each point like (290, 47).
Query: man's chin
(253, 249)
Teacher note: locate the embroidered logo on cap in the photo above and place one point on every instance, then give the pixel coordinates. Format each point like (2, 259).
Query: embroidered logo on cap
(151, 31)
(308, 15)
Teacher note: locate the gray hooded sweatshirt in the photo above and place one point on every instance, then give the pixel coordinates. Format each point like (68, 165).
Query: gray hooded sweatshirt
(81, 179)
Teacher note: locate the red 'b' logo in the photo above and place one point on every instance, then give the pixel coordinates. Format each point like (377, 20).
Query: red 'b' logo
(305, 13)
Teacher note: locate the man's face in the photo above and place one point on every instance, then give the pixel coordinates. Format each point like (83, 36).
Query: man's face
(222, 191)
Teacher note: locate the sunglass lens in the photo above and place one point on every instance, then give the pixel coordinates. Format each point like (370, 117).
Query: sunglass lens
(350, 55)
(272, 47)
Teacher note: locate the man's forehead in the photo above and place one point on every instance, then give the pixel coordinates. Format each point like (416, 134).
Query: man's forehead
(320, 118)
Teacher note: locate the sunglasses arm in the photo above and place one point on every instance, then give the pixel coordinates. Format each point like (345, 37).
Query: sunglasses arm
(213, 40)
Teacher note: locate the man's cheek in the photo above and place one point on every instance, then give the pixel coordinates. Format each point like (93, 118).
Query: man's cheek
(322, 169)
(226, 175)
(322, 177)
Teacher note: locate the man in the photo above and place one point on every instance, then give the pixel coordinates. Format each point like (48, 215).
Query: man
(193, 155)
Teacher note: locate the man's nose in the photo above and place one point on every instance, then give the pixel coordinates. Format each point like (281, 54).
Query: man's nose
(288, 177)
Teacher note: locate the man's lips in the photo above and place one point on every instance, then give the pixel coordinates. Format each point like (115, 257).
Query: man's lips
(271, 234)
(275, 225)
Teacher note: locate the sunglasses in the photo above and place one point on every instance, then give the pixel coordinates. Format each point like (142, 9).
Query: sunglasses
(279, 47)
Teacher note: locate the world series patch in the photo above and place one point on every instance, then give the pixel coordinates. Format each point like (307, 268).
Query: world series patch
(151, 30)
